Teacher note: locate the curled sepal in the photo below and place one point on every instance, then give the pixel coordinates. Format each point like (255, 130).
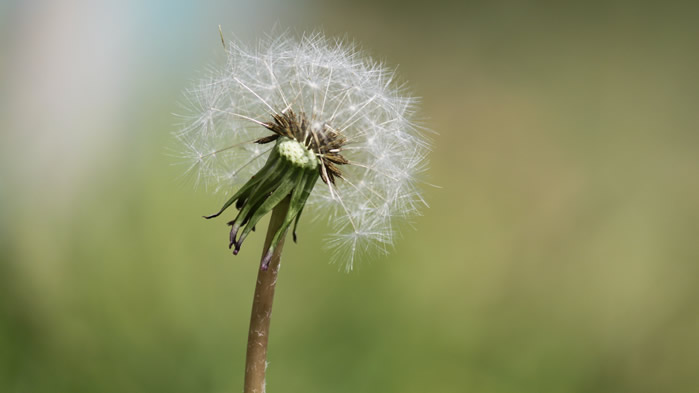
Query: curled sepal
(284, 188)
(290, 171)
(244, 191)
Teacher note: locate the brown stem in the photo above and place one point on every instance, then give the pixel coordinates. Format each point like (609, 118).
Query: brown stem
(256, 359)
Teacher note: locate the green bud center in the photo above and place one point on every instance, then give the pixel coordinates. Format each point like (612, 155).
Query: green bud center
(296, 153)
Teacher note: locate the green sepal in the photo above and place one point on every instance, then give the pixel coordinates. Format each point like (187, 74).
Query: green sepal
(254, 181)
(308, 188)
(286, 185)
(299, 196)
(279, 178)
(257, 195)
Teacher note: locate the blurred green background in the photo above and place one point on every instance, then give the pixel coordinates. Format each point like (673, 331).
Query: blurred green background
(560, 254)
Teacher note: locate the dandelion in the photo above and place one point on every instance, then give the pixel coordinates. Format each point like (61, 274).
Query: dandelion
(286, 113)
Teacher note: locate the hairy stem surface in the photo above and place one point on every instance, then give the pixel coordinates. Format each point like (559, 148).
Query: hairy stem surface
(256, 359)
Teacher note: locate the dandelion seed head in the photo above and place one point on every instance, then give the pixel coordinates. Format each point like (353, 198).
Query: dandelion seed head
(350, 106)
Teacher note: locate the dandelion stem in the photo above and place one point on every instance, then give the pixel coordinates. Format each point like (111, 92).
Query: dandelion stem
(256, 359)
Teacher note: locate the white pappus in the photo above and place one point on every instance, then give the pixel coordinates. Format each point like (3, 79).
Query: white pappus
(342, 107)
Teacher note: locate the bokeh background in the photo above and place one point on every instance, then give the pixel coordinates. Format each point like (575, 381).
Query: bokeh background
(559, 255)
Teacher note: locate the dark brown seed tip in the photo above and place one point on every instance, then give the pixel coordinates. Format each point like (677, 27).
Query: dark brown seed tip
(234, 232)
